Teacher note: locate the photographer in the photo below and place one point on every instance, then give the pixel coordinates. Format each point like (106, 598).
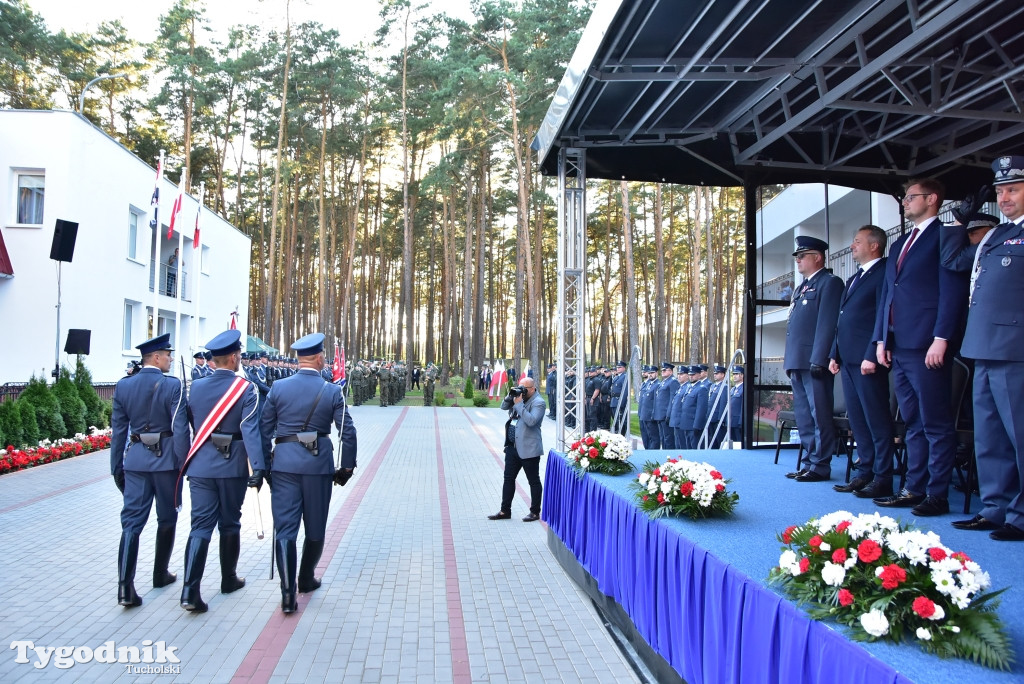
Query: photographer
(523, 447)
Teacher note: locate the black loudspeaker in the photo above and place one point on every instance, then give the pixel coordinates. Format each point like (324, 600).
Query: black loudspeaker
(64, 234)
(78, 342)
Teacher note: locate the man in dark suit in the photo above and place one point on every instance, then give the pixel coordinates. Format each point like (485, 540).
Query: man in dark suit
(199, 370)
(995, 340)
(809, 336)
(917, 330)
(218, 468)
(663, 403)
(300, 410)
(148, 443)
(865, 382)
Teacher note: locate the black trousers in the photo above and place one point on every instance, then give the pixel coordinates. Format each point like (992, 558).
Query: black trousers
(513, 464)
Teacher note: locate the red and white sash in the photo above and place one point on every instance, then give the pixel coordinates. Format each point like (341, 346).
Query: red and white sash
(220, 410)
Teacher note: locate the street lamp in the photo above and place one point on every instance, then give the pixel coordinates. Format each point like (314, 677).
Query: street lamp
(81, 98)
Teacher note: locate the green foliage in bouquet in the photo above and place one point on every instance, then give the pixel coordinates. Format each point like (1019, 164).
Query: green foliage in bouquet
(680, 487)
(887, 580)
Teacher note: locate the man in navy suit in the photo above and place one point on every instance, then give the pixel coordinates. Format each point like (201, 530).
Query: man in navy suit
(148, 443)
(995, 340)
(218, 470)
(865, 382)
(809, 336)
(300, 410)
(917, 331)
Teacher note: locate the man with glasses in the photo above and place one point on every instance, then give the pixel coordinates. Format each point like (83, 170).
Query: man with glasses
(917, 331)
(809, 335)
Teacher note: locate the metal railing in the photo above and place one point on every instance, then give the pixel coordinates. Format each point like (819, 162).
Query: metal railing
(726, 417)
(12, 390)
(170, 280)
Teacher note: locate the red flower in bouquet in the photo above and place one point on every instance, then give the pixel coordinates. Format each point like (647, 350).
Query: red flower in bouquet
(845, 597)
(787, 535)
(589, 441)
(814, 542)
(686, 489)
(892, 576)
(715, 474)
(868, 551)
(805, 564)
(839, 556)
(592, 452)
(841, 527)
(924, 607)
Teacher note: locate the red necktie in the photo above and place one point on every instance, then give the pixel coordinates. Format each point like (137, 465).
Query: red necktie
(903, 255)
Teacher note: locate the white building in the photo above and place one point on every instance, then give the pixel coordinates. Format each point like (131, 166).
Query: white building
(57, 165)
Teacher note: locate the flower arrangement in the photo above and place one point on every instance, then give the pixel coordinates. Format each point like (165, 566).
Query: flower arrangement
(679, 487)
(600, 451)
(885, 580)
(12, 459)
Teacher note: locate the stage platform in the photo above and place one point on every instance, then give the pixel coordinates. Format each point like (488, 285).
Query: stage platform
(696, 592)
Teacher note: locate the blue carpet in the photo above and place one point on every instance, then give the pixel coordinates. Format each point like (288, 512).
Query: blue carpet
(769, 502)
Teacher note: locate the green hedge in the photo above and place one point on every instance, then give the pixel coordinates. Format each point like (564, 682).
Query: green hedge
(48, 417)
(72, 408)
(96, 414)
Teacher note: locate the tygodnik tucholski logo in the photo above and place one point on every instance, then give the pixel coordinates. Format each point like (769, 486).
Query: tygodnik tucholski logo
(149, 658)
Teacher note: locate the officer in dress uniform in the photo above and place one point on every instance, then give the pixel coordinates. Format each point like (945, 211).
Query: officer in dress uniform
(645, 405)
(663, 404)
(148, 443)
(736, 405)
(300, 411)
(699, 397)
(675, 414)
(552, 390)
(994, 338)
(718, 397)
(227, 443)
(199, 368)
(620, 424)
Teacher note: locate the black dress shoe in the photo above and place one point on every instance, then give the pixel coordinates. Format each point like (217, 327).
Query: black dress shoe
(793, 475)
(533, 517)
(904, 499)
(854, 485)
(932, 505)
(975, 523)
(500, 515)
(1007, 532)
(811, 476)
(875, 490)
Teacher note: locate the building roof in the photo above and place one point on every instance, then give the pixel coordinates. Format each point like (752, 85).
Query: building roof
(864, 93)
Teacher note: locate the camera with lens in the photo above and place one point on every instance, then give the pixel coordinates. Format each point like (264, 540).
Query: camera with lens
(517, 391)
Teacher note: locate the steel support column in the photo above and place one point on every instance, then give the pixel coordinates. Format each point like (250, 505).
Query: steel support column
(572, 240)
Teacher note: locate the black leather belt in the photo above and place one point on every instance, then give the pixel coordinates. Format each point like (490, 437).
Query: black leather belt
(295, 438)
(136, 438)
(235, 436)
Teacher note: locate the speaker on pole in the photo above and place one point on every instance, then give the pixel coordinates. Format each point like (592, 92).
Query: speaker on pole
(78, 341)
(64, 234)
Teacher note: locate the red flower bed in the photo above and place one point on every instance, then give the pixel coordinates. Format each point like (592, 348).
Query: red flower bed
(12, 459)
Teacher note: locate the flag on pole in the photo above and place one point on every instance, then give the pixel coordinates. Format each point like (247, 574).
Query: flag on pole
(234, 320)
(526, 372)
(195, 236)
(155, 201)
(339, 366)
(176, 209)
(498, 379)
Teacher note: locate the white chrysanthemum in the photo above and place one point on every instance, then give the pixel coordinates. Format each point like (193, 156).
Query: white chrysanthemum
(644, 477)
(944, 582)
(666, 487)
(584, 463)
(875, 623)
(961, 599)
(825, 546)
(939, 613)
(923, 634)
(788, 559)
(827, 523)
(947, 564)
(833, 574)
(851, 558)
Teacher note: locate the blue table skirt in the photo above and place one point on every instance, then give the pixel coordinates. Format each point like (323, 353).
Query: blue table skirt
(710, 622)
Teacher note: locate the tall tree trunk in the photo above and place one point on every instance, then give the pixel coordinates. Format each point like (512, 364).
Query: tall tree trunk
(631, 315)
(467, 281)
(273, 336)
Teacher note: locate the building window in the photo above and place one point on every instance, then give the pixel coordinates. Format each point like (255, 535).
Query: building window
(133, 234)
(126, 339)
(31, 188)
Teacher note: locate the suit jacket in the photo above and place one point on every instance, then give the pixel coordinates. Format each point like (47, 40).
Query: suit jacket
(717, 400)
(812, 321)
(927, 300)
(675, 411)
(287, 406)
(855, 340)
(995, 320)
(242, 418)
(136, 409)
(736, 403)
(530, 414)
(645, 400)
(663, 398)
(617, 387)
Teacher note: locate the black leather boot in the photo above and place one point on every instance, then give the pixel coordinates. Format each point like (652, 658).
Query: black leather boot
(229, 548)
(286, 568)
(127, 559)
(195, 564)
(164, 543)
(311, 551)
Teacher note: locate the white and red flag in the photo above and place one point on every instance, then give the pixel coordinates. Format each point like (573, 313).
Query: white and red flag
(498, 379)
(339, 366)
(234, 320)
(195, 236)
(526, 372)
(155, 201)
(176, 209)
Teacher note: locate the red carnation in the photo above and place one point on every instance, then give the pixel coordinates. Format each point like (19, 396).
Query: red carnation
(604, 444)
(656, 472)
(839, 556)
(719, 487)
(845, 597)
(715, 474)
(686, 488)
(664, 478)
(646, 497)
(814, 542)
(842, 526)
(787, 535)
(868, 551)
(892, 576)
(661, 498)
(937, 554)
(961, 556)
(805, 564)
(593, 452)
(588, 441)
(924, 607)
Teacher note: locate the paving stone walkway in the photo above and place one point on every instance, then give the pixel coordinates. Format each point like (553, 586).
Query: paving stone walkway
(418, 585)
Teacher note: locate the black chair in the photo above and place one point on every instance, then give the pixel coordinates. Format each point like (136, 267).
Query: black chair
(786, 420)
(966, 463)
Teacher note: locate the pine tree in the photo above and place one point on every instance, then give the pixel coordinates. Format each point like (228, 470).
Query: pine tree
(10, 425)
(72, 408)
(48, 418)
(29, 423)
(94, 414)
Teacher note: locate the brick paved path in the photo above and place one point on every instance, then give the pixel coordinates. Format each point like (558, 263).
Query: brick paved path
(418, 585)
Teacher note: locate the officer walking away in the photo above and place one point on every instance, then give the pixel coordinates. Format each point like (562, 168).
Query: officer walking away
(223, 411)
(300, 410)
(148, 444)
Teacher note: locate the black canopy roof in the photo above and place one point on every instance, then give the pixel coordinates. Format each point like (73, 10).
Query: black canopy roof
(862, 93)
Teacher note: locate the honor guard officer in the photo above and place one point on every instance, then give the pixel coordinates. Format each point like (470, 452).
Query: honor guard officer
(148, 444)
(718, 397)
(620, 423)
(300, 410)
(223, 414)
(663, 405)
(199, 368)
(736, 405)
(645, 405)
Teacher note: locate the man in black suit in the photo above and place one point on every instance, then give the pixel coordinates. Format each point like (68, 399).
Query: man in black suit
(865, 382)
(809, 336)
(917, 330)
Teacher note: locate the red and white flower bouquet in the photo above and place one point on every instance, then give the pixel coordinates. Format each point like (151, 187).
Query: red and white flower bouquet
(600, 451)
(680, 487)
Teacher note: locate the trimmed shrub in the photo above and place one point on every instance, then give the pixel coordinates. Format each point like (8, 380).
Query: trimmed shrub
(29, 423)
(468, 391)
(10, 425)
(72, 408)
(108, 410)
(48, 418)
(480, 400)
(455, 381)
(94, 416)
(439, 399)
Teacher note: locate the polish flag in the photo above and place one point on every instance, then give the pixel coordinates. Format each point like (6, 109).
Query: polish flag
(498, 379)
(176, 209)
(526, 372)
(339, 366)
